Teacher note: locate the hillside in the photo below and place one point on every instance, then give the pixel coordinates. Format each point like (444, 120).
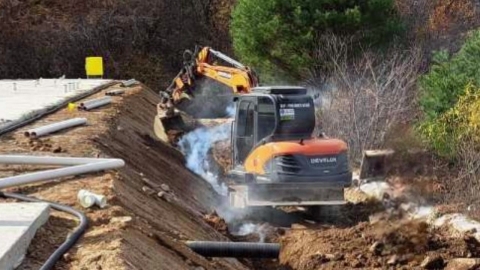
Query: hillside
(140, 39)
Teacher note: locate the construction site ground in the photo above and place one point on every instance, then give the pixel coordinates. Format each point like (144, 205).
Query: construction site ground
(155, 203)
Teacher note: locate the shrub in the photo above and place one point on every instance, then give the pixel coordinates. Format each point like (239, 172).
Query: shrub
(445, 82)
(138, 39)
(459, 124)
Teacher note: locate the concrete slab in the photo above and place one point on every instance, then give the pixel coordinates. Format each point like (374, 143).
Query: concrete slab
(19, 97)
(18, 224)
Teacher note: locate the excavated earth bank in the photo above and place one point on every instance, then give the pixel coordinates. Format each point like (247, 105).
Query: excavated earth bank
(173, 214)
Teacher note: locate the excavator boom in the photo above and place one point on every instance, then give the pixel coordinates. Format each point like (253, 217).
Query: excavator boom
(179, 98)
(202, 64)
(227, 59)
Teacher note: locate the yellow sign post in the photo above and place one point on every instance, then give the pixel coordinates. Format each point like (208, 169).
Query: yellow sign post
(94, 66)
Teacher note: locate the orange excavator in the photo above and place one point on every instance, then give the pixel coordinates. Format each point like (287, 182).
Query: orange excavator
(277, 160)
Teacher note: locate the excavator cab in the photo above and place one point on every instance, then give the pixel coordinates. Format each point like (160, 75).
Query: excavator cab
(276, 159)
(256, 120)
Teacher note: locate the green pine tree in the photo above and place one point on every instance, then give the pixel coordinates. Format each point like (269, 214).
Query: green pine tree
(279, 37)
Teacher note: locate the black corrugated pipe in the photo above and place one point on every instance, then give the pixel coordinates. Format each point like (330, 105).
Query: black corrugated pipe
(235, 249)
(72, 237)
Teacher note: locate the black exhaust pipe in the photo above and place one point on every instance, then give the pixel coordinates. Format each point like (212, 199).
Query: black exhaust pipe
(235, 249)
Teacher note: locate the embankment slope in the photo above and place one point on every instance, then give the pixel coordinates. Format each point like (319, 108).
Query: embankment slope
(153, 167)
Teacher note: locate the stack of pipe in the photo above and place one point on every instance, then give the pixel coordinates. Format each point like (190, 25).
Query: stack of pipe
(94, 103)
(41, 131)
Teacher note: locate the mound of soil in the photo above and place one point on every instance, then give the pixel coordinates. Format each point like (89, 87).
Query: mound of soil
(395, 243)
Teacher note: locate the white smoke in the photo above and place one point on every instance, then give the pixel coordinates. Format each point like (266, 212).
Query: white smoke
(246, 229)
(376, 189)
(195, 146)
(250, 228)
(414, 206)
(231, 110)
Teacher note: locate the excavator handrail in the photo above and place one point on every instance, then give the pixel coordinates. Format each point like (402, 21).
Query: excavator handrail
(228, 59)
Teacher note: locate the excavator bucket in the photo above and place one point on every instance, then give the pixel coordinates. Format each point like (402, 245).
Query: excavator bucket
(374, 164)
(170, 124)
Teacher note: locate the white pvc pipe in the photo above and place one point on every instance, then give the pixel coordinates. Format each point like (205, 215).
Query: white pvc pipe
(97, 104)
(62, 172)
(129, 83)
(92, 101)
(115, 92)
(48, 160)
(88, 199)
(40, 131)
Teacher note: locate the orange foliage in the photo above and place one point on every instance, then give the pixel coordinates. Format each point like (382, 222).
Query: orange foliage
(447, 13)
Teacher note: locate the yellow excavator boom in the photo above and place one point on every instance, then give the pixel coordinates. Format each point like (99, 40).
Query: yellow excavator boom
(203, 63)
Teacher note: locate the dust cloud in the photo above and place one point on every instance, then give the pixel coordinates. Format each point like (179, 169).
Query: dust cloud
(196, 145)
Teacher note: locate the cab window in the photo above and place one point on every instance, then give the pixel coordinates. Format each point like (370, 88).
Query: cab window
(266, 117)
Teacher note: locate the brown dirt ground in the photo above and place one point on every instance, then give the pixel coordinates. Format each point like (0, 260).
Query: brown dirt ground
(138, 229)
(155, 204)
(345, 243)
(333, 248)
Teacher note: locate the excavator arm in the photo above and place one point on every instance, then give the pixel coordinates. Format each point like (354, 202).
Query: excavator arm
(202, 63)
(179, 98)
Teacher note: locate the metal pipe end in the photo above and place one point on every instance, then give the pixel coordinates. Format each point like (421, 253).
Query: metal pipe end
(33, 134)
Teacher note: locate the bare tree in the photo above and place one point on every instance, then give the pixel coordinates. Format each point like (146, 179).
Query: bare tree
(364, 97)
